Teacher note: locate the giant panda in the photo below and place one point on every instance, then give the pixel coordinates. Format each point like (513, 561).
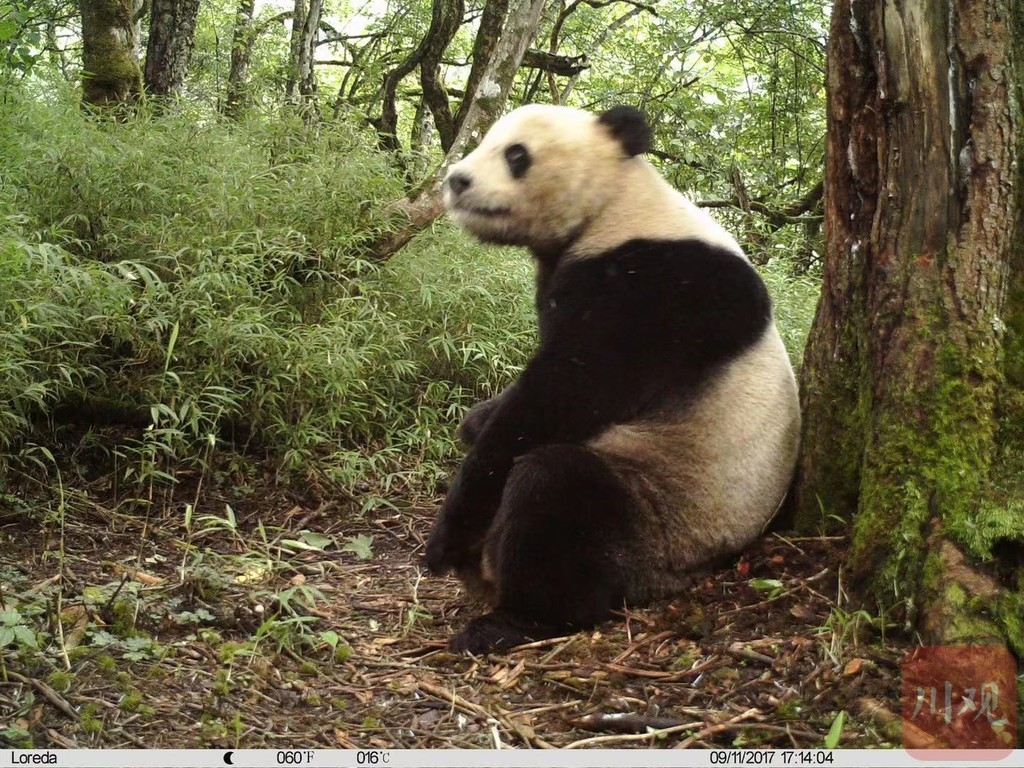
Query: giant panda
(655, 428)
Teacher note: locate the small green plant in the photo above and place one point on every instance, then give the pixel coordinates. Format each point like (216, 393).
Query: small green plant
(16, 631)
(361, 546)
(340, 650)
(835, 732)
(293, 633)
(773, 587)
(845, 630)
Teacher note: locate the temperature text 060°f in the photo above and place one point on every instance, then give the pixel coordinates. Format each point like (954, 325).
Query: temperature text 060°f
(295, 757)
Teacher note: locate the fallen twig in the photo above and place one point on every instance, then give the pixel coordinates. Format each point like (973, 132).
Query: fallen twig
(625, 722)
(48, 693)
(711, 730)
(621, 738)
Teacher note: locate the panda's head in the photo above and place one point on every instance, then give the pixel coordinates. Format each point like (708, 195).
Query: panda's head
(543, 172)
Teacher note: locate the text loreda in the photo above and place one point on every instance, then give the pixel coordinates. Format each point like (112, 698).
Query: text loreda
(33, 758)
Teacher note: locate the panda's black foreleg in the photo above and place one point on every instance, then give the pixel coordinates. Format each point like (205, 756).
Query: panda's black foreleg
(496, 631)
(557, 547)
(477, 417)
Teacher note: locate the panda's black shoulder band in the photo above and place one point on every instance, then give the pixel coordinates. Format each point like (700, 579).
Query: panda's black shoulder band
(629, 126)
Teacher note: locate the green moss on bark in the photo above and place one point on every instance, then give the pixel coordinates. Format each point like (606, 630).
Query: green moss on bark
(929, 452)
(111, 72)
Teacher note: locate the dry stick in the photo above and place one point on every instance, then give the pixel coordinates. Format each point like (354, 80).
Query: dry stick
(61, 740)
(640, 644)
(525, 733)
(662, 676)
(625, 722)
(634, 736)
(543, 643)
(473, 709)
(48, 693)
(739, 650)
(717, 728)
(547, 657)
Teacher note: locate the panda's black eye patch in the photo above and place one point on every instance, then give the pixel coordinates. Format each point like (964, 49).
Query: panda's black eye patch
(518, 158)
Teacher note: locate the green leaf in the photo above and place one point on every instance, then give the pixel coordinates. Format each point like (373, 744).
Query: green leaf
(836, 731)
(315, 539)
(295, 545)
(330, 637)
(25, 636)
(361, 545)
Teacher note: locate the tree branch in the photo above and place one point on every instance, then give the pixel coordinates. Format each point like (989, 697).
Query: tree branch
(485, 105)
(794, 213)
(446, 17)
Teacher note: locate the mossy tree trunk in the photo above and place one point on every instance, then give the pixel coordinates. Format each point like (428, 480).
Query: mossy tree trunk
(110, 51)
(912, 378)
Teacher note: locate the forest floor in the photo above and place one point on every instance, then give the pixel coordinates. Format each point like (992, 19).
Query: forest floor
(267, 621)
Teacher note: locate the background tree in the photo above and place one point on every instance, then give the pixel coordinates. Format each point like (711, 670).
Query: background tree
(301, 84)
(172, 28)
(912, 382)
(485, 107)
(110, 51)
(31, 30)
(242, 38)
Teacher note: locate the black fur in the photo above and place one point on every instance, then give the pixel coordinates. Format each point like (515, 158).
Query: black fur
(476, 419)
(632, 333)
(518, 159)
(630, 127)
(556, 554)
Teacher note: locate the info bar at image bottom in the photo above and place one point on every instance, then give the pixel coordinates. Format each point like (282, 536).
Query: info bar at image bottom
(508, 758)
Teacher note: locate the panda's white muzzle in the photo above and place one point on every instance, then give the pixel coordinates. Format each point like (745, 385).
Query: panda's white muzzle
(458, 198)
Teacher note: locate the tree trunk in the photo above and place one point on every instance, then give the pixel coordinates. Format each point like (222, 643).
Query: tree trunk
(172, 33)
(446, 18)
(291, 88)
(301, 85)
(236, 100)
(912, 379)
(110, 52)
(492, 21)
(487, 103)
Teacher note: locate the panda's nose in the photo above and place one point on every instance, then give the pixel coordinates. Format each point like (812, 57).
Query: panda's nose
(458, 183)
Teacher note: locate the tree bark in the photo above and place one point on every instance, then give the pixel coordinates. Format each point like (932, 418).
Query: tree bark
(236, 99)
(110, 52)
(492, 21)
(915, 353)
(485, 106)
(446, 18)
(172, 33)
(301, 84)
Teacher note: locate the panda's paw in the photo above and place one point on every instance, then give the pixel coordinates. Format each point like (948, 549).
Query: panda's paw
(494, 632)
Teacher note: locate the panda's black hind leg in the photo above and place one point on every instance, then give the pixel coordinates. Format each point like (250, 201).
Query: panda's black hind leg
(557, 547)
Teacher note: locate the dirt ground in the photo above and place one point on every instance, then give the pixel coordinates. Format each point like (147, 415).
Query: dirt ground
(285, 622)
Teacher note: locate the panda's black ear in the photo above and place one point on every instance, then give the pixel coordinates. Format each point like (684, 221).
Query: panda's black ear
(629, 126)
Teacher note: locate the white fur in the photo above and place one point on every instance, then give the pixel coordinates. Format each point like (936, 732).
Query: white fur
(581, 184)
